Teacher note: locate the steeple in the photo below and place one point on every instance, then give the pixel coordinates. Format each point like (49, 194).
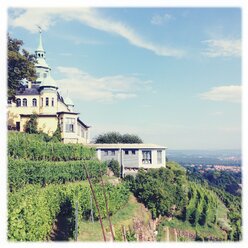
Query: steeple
(40, 52)
(40, 46)
(42, 68)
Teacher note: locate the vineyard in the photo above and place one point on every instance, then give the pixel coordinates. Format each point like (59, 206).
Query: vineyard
(166, 192)
(47, 178)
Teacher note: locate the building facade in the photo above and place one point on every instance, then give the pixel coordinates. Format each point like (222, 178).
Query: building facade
(43, 99)
(132, 157)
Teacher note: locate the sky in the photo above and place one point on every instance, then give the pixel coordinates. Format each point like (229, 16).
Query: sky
(170, 75)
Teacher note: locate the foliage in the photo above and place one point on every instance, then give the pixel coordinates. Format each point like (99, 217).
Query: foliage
(225, 180)
(22, 172)
(20, 65)
(27, 146)
(32, 124)
(115, 167)
(57, 134)
(163, 191)
(221, 184)
(115, 137)
(32, 210)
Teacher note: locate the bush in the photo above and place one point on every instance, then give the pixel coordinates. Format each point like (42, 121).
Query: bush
(31, 125)
(115, 167)
(22, 172)
(32, 210)
(33, 147)
(115, 137)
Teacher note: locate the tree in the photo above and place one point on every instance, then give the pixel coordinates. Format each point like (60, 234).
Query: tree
(115, 137)
(115, 167)
(32, 124)
(57, 134)
(20, 65)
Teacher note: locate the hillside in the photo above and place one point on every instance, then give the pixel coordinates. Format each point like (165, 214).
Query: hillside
(49, 197)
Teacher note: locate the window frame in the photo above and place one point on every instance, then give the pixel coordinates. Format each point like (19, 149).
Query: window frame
(34, 102)
(24, 102)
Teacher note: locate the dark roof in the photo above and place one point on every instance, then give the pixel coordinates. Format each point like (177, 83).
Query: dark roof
(83, 124)
(67, 112)
(40, 115)
(28, 91)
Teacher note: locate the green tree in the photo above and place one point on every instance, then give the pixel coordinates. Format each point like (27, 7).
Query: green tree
(32, 124)
(20, 65)
(57, 134)
(115, 137)
(115, 167)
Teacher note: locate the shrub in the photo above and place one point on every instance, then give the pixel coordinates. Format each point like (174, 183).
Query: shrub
(115, 167)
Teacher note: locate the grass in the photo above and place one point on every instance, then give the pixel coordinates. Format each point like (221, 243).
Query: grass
(203, 231)
(89, 231)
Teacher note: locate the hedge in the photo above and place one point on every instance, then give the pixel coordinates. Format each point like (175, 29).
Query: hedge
(28, 146)
(33, 210)
(22, 172)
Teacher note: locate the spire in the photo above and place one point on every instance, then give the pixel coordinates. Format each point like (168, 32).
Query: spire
(40, 46)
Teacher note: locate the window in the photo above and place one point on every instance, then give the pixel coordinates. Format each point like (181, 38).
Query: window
(70, 125)
(52, 102)
(34, 102)
(105, 153)
(41, 102)
(24, 102)
(112, 152)
(126, 152)
(37, 74)
(159, 155)
(47, 101)
(44, 75)
(9, 101)
(18, 102)
(133, 152)
(146, 157)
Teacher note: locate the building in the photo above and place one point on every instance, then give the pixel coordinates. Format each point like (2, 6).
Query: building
(132, 157)
(43, 99)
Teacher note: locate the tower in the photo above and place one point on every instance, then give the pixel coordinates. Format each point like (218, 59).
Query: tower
(42, 68)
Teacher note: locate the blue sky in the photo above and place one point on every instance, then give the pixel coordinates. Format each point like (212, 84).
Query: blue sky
(170, 75)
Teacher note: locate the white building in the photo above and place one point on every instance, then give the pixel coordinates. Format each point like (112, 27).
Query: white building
(43, 99)
(132, 157)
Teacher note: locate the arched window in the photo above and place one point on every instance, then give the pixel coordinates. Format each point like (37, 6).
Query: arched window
(47, 101)
(18, 102)
(24, 102)
(34, 102)
(52, 102)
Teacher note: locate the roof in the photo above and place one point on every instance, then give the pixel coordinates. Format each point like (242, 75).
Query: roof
(65, 112)
(48, 82)
(83, 124)
(28, 91)
(39, 115)
(127, 146)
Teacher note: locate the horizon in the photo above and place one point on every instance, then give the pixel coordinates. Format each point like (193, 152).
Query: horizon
(179, 86)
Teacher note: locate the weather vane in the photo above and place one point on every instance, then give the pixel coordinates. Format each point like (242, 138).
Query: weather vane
(39, 27)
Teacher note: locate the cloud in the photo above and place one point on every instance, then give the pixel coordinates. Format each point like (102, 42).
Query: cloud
(48, 17)
(222, 48)
(161, 19)
(82, 85)
(229, 93)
